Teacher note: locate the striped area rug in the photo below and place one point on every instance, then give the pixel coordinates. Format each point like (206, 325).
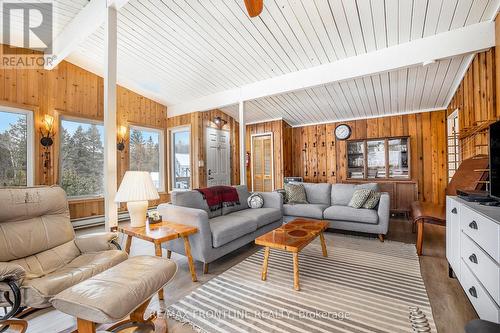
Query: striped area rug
(363, 286)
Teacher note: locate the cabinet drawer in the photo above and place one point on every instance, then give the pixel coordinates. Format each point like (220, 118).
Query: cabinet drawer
(483, 267)
(485, 307)
(482, 230)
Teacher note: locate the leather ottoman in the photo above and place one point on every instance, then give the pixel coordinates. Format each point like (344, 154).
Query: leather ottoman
(121, 292)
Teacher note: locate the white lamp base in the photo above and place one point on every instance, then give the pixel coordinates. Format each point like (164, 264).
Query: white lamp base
(137, 211)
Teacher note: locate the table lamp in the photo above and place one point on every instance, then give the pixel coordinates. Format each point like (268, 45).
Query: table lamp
(136, 189)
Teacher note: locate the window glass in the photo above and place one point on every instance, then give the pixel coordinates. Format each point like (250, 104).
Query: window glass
(146, 149)
(14, 150)
(181, 161)
(82, 158)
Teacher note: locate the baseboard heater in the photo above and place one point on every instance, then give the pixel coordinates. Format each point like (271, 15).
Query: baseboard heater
(98, 220)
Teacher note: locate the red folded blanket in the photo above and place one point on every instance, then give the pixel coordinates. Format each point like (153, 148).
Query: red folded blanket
(218, 196)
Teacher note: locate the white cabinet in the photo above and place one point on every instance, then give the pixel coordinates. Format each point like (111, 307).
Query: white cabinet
(473, 252)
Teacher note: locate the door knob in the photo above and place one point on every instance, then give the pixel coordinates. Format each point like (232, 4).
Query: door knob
(454, 210)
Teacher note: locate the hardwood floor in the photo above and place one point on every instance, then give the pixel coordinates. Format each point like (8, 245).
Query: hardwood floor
(451, 307)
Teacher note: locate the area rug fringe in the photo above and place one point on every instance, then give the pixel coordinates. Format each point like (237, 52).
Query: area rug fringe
(174, 315)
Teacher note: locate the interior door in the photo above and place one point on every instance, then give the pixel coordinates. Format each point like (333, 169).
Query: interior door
(218, 158)
(262, 163)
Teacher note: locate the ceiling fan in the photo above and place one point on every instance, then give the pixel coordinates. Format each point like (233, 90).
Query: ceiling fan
(254, 7)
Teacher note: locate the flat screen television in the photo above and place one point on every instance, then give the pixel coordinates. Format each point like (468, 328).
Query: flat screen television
(495, 160)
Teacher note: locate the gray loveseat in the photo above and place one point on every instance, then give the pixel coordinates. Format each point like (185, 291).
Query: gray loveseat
(224, 230)
(329, 202)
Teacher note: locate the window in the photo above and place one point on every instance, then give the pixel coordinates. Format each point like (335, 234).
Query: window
(181, 161)
(82, 158)
(146, 153)
(16, 147)
(384, 158)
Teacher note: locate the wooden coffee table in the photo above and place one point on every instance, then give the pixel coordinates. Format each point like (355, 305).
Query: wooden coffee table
(292, 237)
(161, 232)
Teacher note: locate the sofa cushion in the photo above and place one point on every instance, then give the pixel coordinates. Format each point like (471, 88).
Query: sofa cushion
(227, 228)
(318, 193)
(313, 211)
(346, 213)
(262, 216)
(193, 199)
(243, 195)
(37, 292)
(342, 193)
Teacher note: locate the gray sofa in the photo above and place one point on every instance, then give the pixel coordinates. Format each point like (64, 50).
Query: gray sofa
(224, 230)
(329, 202)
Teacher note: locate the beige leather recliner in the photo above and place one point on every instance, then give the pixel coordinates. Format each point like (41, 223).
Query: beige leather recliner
(39, 253)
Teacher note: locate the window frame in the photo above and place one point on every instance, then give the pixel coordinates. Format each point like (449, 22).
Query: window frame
(83, 120)
(171, 167)
(161, 142)
(387, 178)
(30, 141)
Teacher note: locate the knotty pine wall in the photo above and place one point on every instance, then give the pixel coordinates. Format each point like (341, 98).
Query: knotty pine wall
(282, 138)
(71, 91)
(326, 159)
(477, 103)
(199, 121)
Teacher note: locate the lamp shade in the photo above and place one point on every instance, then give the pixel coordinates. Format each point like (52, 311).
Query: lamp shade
(136, 186)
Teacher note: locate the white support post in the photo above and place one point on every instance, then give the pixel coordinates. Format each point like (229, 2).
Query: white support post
(243, 168)
(110, 164)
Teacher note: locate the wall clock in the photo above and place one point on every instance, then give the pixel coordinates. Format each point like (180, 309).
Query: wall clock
(343, 132)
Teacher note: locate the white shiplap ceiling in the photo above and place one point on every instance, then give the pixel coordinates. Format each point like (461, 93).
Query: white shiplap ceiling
(179, 50)
(402, 91)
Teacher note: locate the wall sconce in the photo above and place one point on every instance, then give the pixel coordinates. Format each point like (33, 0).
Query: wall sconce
(122, 132)
(47, 131)
(219, 122)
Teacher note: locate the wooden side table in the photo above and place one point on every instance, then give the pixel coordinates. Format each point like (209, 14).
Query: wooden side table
(159, 233)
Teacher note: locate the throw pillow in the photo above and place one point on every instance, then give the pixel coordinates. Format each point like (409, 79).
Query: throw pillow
(359, 197)
(255, 200)
(296, 193)
(372, 200)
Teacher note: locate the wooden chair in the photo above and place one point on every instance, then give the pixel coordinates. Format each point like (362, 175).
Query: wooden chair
(470, 175)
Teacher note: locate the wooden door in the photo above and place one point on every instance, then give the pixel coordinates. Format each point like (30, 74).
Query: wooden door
(262, 163)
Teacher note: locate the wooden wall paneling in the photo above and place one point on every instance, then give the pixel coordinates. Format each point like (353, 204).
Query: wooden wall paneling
(312, 152)
(322, 154)
(427, 157)
(276, 128)
(287, 150)
(427, 132)
(476, 101)
(331, 153)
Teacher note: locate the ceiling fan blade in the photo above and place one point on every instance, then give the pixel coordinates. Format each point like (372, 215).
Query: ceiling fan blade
(254, 7)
